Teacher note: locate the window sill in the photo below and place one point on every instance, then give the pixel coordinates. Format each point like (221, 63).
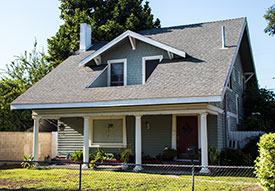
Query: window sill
(108, 146)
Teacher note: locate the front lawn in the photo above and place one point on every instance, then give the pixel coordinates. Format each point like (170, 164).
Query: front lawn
(64, 179)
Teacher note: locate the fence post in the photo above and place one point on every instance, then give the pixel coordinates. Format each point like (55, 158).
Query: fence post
(80, 173)
(193, 178)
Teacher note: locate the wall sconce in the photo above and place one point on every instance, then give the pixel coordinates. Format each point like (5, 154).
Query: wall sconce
(110, 126)
(147, 125)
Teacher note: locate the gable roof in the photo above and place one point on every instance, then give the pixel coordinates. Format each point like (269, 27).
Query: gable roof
(199, 78)
(134, 35)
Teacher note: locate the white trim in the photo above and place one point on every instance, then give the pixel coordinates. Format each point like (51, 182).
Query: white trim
(113, 103)
(230, 114)
(174, 132)
(237, 108)
(250, 76)
(97, 77)
(234, 59)
(133, 42)
(170, 55)
(108, 145)
(215, 108)
(136, 36)
(124, 61)
(97, 60)
(144, 59)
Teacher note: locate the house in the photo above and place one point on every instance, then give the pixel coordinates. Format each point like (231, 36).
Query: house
(174, 87)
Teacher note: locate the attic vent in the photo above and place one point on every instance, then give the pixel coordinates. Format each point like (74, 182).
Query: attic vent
(223, 37)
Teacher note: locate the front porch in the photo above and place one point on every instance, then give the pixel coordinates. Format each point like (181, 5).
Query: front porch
(147, 129)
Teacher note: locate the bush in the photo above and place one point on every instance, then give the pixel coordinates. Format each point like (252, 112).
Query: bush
(235, 157)
(252, 148)
(78, 156)
(265, 162)
(169, 154)
(125, 154)
(213, 155)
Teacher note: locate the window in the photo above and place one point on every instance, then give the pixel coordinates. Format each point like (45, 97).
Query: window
(234, 74)
(229, 84)
(108, 132)
(237, 108)
(117, 72)
(239, 77)
(149, 64)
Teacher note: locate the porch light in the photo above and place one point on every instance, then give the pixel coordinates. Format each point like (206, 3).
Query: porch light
(110, 126)
(148, 125)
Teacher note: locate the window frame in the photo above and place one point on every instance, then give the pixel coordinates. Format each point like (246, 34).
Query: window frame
(237, 108)
(115, 61)
(144, 59)
(108, 145)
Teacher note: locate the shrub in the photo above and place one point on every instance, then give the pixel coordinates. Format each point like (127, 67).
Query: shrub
(265, 162)
(213, 155)
(100, 156)
(125, 154)
(169, 154)
(235, 157)
(252, 148)
(78, 156)
(28, 162)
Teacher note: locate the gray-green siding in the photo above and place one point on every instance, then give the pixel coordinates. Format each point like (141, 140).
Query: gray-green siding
(153, 140)
(134, 60)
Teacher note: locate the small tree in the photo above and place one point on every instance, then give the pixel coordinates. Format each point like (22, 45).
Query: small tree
(265, 163)
(270, 18)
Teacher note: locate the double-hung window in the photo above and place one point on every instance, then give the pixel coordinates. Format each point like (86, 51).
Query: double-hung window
(117, 72)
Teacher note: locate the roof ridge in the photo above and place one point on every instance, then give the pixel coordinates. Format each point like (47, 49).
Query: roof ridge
(186, 25)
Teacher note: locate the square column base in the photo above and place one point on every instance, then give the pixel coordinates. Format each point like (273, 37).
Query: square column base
(204, 170)
(137, 168)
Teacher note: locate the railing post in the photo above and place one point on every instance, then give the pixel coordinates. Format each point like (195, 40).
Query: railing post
(193, 178)
(80, 173)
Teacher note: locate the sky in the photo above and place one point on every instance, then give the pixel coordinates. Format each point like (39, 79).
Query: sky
(24, 21)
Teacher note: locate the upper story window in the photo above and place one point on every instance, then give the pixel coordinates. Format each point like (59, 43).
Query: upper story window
(117, 72)
(149, 64)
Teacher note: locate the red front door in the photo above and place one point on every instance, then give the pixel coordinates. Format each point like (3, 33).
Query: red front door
(187, 134)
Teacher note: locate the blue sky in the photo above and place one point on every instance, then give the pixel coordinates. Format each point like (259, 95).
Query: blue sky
(23, 21)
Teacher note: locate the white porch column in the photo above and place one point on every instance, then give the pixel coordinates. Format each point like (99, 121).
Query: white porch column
(204, 142)
(138, 144)
(86, 141)
(35, 137)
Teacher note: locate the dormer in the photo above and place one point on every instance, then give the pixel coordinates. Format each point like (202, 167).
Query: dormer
(129, 59)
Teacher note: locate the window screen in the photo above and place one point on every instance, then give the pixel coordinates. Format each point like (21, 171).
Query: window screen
(117, 78)
(108, 131)
(150, 66)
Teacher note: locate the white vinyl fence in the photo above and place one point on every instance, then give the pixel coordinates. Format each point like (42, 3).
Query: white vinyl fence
(238, 139)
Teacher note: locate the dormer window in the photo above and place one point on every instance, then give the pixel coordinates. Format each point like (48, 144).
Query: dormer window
(149, 64)
(117, 72)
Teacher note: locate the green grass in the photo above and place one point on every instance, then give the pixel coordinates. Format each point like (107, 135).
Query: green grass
(64, 179)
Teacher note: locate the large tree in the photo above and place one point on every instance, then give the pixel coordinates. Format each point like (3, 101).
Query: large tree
(108, 18)
(259, 107)
(270, 18)
(21, 74)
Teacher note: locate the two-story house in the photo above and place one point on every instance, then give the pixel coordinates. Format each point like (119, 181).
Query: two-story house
(168, 87)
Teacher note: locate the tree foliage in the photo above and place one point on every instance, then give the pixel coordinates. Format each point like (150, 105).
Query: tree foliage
(270, 18)
(21, 74)
(108, 18)
(259, 108)
(265, 163)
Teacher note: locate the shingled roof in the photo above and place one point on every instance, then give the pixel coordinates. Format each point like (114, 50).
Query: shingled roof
(203, 74)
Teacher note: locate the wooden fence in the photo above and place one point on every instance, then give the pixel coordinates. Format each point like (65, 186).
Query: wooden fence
(14, 145)
(238, 139)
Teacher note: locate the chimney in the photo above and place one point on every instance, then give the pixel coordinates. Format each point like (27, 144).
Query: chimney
(85, 41)
(223, 37)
